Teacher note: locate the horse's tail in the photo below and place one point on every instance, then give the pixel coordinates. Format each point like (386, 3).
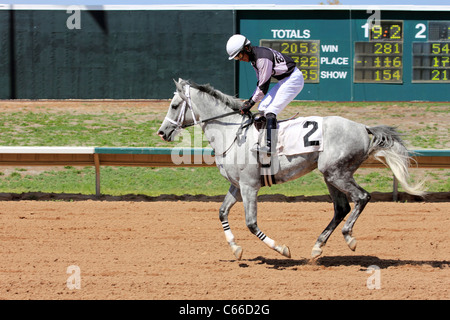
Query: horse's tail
(387, 143)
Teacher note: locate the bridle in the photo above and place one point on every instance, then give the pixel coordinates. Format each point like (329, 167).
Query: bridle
(188, 104)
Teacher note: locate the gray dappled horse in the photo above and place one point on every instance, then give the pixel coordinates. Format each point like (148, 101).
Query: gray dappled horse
(346, 145)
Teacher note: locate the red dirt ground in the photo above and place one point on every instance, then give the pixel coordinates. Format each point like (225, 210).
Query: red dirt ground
(177, 250)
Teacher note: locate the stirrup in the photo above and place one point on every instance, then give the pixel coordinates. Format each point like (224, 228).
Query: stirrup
(263, 149)
(266, 150)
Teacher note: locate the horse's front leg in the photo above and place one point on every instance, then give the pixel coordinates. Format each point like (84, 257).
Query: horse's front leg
(230, 199)
(249, 197)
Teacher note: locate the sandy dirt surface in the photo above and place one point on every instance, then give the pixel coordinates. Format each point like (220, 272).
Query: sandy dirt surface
(84, 106)
(177, 250)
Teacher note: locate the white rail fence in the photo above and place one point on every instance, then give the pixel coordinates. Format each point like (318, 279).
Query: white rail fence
(161, 157)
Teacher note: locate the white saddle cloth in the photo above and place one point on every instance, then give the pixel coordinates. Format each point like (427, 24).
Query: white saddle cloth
(301, 135)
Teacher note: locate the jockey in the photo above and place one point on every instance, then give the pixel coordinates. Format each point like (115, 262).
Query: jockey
(267, 63)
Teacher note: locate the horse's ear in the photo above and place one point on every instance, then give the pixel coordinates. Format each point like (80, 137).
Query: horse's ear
(178, 85)
(180, 89)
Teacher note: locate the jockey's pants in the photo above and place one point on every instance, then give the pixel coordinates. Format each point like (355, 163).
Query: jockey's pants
(282, 93)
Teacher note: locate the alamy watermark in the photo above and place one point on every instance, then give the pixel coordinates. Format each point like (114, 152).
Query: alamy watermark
(374, 18)
(74, 280)
(188, 148)
(374, 280)
(74, 20)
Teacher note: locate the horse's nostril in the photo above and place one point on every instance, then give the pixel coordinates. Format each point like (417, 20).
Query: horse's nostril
(161, 135)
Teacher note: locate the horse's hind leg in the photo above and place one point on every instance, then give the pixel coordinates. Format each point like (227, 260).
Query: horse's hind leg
(230, 199)
(341, 208)
(359, 197)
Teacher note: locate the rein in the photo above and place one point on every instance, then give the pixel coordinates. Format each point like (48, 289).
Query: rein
(238, 133)
(209, 119)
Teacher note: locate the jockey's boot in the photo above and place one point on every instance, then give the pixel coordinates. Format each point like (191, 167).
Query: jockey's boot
(271, 138)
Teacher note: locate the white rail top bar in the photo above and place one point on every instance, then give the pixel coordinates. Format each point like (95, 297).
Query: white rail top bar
(48, 150)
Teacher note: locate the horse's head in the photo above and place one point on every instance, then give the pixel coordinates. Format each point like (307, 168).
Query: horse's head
(178, 116)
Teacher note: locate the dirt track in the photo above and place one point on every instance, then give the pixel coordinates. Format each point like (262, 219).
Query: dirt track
(177, 250)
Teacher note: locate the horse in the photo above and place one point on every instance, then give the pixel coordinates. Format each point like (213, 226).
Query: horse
(346, 145)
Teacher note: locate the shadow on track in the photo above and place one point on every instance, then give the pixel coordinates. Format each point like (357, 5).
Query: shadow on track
(376, 197)
(337, 261)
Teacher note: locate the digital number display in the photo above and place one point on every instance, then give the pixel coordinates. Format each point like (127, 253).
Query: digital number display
(431, 62)
(378, 62)
(439, 30)
(305, 53)
(387, 31)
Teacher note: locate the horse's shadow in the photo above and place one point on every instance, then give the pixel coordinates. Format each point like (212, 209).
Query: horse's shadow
(336, 261)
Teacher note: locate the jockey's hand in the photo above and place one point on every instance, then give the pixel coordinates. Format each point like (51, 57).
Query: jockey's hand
(246, 106)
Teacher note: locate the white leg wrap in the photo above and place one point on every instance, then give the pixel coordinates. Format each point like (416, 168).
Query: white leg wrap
(282, 249)
(269, 242)
(228, 234)
(237, 250)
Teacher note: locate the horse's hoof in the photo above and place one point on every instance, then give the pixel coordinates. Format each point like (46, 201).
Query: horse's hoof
(284, 250)
(316, 252)
(237, 250)
(351, 242)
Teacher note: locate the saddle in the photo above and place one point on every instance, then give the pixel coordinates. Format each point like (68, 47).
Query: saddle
(295, 136)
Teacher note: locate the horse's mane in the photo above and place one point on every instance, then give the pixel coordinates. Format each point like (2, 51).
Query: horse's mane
(230, 101)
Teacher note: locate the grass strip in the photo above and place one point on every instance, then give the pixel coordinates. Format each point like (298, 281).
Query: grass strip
(194, 181)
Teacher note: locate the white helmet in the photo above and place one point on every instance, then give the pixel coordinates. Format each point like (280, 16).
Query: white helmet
(235, 45)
